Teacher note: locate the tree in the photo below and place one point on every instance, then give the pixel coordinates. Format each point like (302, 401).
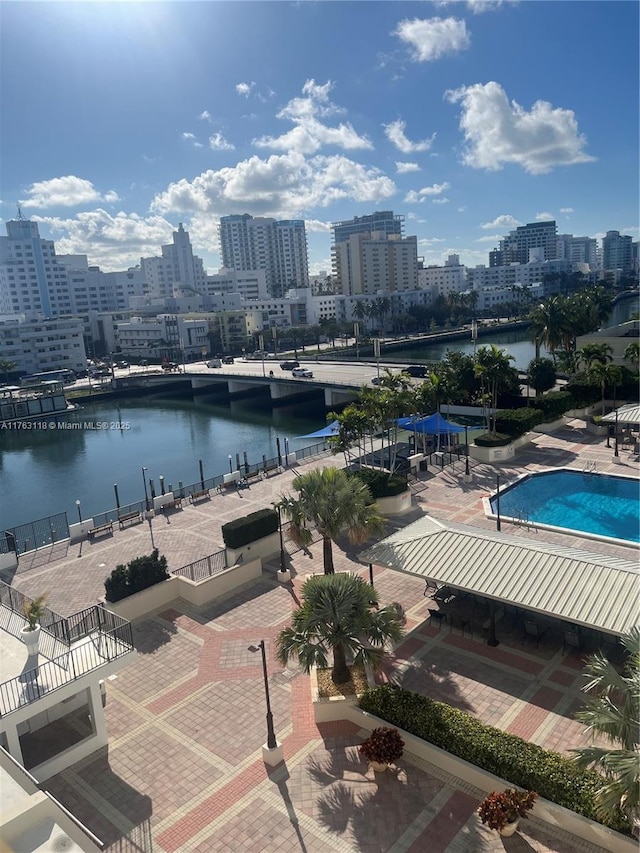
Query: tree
(604, 375)
(542, 375)
(492, 367)
(334, 502)
(549, 324)
(613, 713)
(6, 366)
(632, 354)
(339, 615)
(590, 353)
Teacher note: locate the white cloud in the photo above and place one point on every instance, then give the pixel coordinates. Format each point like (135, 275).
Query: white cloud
(545, 216)
(462, 208)
(498, 131)
(440, 201)
(434, 37)
(284, 185)
(403, 168)
(68, 191)
(309, 134)
(429, 241)
(395, 133)
(245, 88)
(205, 115)
(566, 210)
(114, 242)
(192, 138)
(504, 221)
(319, 227)
(478, 6)
(414, 196)
(218, 143)
(490, 238)
(188, 135)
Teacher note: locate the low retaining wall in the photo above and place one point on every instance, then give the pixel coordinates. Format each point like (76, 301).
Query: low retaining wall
(498, 454)
(550, 426)
(263, 548)
(551, 813)
(160, 595)
(395, 505)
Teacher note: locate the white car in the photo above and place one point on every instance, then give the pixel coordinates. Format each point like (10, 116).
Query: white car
(302, 373)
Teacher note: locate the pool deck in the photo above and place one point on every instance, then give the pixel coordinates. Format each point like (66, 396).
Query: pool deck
(183, 770)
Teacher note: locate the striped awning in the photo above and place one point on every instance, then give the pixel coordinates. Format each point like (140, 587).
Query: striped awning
(626, 415)
(566, 583)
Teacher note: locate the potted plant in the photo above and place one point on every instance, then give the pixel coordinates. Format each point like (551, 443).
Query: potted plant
(383, 747)
(33, 612)
(502, 810)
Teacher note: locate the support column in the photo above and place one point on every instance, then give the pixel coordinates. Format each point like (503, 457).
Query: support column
(94, 701)
(13, 743)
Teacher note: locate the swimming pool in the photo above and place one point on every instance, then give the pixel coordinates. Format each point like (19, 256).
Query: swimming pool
(589, 503)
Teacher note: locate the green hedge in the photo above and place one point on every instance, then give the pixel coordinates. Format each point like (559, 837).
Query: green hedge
(582, 392)
(139, 574)
(554, 404)
(381, 484)
(488, 440)
(521, 763)
(242, 531)
(518, 421)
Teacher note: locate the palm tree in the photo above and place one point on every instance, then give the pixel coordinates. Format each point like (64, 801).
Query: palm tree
(590, 353)
(6, 366)
(632, 354)
(493, 369)
(339, 615)
(604, 374)
(549, 323)
(333, 501)
(613, 713)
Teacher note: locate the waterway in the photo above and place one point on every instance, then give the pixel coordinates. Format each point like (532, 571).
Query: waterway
(44, 470)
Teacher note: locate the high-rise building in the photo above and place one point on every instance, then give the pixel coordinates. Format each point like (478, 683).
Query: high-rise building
(616, 251)
(261, 243)
(451, 278)
(382, 221)
(177, 266)
(369, 263)
(578, 250)
(534, 241)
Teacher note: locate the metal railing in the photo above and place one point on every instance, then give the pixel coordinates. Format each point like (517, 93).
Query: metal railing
(111, 638)
(203, 568)
(36, 534)
(12, 618)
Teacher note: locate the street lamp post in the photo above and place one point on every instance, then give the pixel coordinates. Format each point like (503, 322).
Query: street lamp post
(146, 494)
(271, 735)
(283, 565)
(79, 513)
(615, 439)
(498, 526)
(467, 473)
(230, 465)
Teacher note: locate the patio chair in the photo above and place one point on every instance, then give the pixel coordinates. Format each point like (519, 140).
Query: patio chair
(571, 640)
(438, 617)
(533, 631)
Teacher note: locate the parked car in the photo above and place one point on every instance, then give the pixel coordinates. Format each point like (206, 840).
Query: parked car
(418, 370)
(122, 364)
(302, 373)
(228, 359)
(289, 365)
(144, 363)
(170, 366)
(375, 380)
(214, 362)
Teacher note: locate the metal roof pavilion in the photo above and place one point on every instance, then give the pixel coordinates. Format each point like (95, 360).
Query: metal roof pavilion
(566, 583)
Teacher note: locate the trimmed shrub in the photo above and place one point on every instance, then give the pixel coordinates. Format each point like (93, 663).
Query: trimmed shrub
(139, 574)
(518, 421)
(524, 764)
(256, 525)
(381, 484)
(554, 404)
(488, 440)
(582, 392)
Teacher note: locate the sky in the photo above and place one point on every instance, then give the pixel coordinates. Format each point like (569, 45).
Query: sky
(120, 120)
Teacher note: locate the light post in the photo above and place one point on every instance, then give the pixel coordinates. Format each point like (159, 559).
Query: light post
(79, 513)
(467, 473)
(271, 735)
(230, 465)
(615, 439)
(498, 527)
(283, 565)
(146, 494)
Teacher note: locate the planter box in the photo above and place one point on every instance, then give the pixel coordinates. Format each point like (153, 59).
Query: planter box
(331, 708)
(597, 429)
(498, 454)
(549, 427)
(263, 548)
(395, 505)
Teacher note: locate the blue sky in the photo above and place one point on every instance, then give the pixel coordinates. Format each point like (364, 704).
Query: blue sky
(120, 120)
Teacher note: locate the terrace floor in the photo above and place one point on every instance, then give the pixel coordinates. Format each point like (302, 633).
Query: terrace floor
(183, 770)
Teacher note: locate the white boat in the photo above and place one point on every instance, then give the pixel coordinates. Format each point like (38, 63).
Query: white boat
(34, 403)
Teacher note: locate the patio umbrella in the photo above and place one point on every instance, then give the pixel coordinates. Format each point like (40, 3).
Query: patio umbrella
(331, 429)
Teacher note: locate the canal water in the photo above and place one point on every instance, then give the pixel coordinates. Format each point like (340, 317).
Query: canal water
(44, 470)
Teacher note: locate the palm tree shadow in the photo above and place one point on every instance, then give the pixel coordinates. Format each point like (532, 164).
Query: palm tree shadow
(336, 767)
(336, 807)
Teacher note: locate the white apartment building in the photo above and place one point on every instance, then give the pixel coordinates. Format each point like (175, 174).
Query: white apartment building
(250, 284)
(167, 335)
(451, 278)
(261, 243)
(617, 251)
(582, 250)
(177, 266)
(93, 290)
(491, 297)
(367, 263)
(37, 346)
(400, 302)
(503, 276)
(514, 248)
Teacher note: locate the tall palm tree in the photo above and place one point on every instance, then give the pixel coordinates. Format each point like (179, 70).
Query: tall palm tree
(339, 615)
(604, 375)
(590, 353)
(492, 367)
(549, 322)
(6, 366)
(613, 713)
(334, 502)
(632, 354)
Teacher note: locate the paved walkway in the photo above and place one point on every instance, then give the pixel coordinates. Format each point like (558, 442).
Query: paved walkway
(183, 771)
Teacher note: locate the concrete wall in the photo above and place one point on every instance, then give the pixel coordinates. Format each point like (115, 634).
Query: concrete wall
(395, 505)
(8, 561)
(498, 454)
(262, 548)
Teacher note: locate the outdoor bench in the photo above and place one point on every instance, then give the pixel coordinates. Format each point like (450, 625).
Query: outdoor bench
(176, 503)
(107, 527)
(124, 517)
(202, 495)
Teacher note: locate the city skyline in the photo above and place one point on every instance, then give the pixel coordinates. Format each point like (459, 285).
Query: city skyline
(467, 118)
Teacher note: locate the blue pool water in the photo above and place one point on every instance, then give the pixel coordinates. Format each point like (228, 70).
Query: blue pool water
(590, 503)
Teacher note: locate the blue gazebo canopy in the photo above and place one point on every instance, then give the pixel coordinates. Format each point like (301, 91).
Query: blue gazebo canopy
(434, 424)
(330, 429)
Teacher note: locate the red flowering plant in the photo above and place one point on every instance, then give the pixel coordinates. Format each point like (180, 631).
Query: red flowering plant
(502, 807)
(384, 745)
